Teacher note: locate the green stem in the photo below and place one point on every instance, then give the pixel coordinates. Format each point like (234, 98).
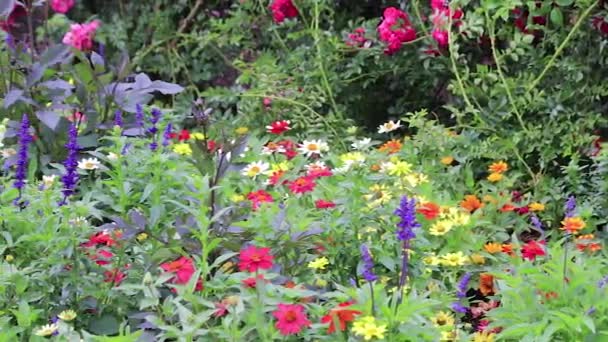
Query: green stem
(501, 75)
(562, 46)
(324, 77)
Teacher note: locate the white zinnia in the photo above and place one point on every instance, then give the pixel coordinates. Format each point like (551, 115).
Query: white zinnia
(389, 126)
(255, 168)
(89, 164)
(310, 147)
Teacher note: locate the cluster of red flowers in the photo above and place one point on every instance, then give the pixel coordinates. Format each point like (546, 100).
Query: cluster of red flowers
(183, 268)
(357, 38)
(184, 135)
(533, 249)
(97, 248)
(258, 197)
(283, 9)
(600, 24)
(429, 210)
(342, 314)
(252, 259)
(395, 29)
(441, 17)
(521, 21)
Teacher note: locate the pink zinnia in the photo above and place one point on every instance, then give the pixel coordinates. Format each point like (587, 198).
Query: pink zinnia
(283, 9)
(278, 127)
(183, 269)
(81, 36)
(302, 185)
(62, 6)
(252, 259)
(533, 249)
(291, 318)
(322, 204)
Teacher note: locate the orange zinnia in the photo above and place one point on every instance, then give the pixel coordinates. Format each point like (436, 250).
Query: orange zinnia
(391, 146)
(507, 248)
(493, 247)
(498, 167)
(572, 225)
(471, 203)
(486, 284)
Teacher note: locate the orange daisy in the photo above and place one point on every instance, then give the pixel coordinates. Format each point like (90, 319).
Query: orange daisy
(498, 167)
(391, 146)
(471, 203)
(493, 247)
(572, 225)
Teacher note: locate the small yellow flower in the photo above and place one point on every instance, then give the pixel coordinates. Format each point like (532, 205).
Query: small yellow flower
(46, 330)
(431, 260)
(441, 228)
(453, 259)
(141, 237)
(412, 180)
(536, 206)
(443, 319)
(495, 177)
(483, 337)
(318, 263)
(490, 199)
(400, 168)
(183, 149)
(448, 336)
(227, 267)
(241, 130)
(282, 166)
(9, 258)
(67, 315)
(197, 136)
(447, 160)
(320, 282)
(367, 327)
(236, 198)
(478, 259)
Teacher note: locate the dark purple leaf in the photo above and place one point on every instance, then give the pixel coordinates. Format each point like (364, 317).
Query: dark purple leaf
(55, 54)
(50, 119)
(57, 85)
(35, 74)
(138, 219)
(97, 60)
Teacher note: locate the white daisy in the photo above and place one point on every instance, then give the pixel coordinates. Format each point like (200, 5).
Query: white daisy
(361, 144)
(89, 164)
(318, 165)
(46, 330)
(389, 126)
(255, 168)
(272, 147)
(310, 147)
(112, 156)
(8, 152)
(48, 181)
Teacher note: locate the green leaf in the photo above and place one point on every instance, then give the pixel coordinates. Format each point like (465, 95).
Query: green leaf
(557, 17)
(105, 325)
(564, 2)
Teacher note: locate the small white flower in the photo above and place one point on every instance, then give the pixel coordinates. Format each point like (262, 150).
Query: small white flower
(112, 156)
(48, 181)
(386, 166)
(46, 330)
(389, 126)
(79, 221)
(8, 152)
(310, 147)
(89, 164)
(255, 168)
(271, 148)
(361, 144)
(318, 165)
(67, 315)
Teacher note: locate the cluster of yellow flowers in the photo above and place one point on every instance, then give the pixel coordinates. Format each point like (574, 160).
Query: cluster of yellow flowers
(448, 219)
(448, 259)
(496, 170)
(368, 328)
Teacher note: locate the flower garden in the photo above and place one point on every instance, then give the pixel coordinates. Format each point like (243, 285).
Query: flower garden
(304, 170)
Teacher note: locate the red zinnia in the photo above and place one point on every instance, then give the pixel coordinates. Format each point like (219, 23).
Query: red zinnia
(532, 249)
(283, 9)
(291, 318)
(182, 136)
(322, 204)
(275, 177)
(302, 185)
(278, 127)
(183, 269)
(115, 276)
(319, 172)
(340, 314)
(429, 210)
(253, 259)
(259, 197)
